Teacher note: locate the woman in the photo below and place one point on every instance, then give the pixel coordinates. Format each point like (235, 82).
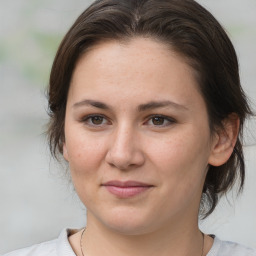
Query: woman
(146, 107)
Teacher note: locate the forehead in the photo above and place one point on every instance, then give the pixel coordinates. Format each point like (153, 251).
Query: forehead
(145, 52)
(141, 65)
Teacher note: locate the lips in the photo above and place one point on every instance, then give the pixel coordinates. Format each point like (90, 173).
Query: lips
(126, 189)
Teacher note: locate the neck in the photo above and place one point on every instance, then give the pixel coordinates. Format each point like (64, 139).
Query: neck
(177, 239)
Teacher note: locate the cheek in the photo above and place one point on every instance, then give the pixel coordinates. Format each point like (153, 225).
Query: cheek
(181, 164)
(85, 154)
(182, 158)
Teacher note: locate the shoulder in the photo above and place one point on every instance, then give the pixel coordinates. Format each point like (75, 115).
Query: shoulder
(226, 248)
(56, 247)
(46, 248)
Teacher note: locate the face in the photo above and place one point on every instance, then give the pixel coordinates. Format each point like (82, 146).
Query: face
(137, 137)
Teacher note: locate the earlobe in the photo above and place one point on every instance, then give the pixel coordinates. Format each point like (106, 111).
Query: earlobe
(224, 141)
(65, 152)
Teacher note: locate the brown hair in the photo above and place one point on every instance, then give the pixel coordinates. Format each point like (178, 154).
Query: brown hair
(188, 29)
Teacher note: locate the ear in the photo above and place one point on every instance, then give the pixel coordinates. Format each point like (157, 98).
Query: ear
(65, 152)
(224, 141)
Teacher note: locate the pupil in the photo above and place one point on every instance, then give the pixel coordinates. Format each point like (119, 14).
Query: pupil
(158, 120)
(97, 120)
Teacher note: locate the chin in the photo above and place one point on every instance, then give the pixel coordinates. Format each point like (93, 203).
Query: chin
(129, 229)
(127, 222)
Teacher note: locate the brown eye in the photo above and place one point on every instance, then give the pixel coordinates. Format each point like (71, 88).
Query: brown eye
(157, 120)
(160, 121)
(97, 120)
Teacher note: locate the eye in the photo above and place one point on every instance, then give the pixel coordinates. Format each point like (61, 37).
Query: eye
(95, 120)
(160, 120)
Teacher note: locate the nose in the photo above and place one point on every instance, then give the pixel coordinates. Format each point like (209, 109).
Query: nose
(125, 151)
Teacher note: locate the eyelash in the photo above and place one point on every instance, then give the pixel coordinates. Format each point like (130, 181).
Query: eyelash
(88, 120)
(165, 119)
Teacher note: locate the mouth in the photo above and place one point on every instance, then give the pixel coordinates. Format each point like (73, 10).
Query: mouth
(126, 189)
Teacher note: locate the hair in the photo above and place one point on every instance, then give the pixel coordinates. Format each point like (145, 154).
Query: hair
(191, 31)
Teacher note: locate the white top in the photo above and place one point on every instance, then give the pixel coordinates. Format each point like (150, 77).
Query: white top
(61, 247)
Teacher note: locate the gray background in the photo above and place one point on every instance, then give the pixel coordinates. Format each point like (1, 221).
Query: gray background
(36, 198)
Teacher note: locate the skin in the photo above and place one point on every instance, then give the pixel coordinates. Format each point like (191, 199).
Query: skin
(114, 132)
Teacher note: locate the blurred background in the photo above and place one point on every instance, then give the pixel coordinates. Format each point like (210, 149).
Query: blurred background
(36, 198)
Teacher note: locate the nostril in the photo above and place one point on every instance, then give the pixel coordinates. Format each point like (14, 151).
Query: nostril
(124, 150)
(126, 160)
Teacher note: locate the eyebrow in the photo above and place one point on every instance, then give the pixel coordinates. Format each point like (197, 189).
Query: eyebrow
(143, 107)
(93, 103)
(160, 104)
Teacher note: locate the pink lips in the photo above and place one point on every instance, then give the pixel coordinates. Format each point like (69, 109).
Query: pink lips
(126, 189)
